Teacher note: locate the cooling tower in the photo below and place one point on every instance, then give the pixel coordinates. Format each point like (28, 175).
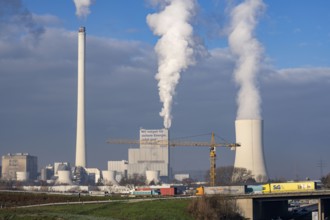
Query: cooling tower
(80, 141)
(64, 177)
(249, 133)
(109, 177)
(152, 176)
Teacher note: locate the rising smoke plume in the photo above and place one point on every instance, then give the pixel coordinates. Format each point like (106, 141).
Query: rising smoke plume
(82, 7)
(248, 51)
(174, 48)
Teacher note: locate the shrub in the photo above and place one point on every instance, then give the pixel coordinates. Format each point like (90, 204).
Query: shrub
(214, 207)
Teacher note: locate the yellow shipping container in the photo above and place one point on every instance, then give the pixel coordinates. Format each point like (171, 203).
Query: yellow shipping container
(200, 191)
(289, 187)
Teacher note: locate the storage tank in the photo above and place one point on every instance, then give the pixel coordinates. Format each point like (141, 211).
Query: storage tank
(22, 176)
(64, 177)
(43, 174)
(152, 176)
(250, 155)
(109, 177)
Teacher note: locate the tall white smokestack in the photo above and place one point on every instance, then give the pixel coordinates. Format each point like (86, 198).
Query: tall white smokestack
(80, 141)
(249, 133)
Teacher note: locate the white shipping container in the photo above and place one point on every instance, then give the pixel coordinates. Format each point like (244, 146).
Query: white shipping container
(224, 190)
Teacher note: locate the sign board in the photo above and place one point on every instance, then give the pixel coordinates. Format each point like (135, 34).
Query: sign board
(154, 138)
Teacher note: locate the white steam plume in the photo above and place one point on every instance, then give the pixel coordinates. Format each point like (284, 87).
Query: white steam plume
(82, 7)
(248, 51)
(174, 48)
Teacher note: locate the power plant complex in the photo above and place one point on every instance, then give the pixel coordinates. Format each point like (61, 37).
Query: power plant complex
(151, 159)
(153, 155)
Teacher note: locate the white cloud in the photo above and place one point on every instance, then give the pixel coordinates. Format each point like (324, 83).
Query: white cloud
(46, 19)
(301, 75)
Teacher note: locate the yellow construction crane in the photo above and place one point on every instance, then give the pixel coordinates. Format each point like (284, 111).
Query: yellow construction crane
(212, 145)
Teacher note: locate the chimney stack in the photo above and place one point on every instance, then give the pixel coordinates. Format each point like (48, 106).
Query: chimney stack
(80, 141)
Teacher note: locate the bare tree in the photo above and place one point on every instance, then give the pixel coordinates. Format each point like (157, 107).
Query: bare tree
(326, 181)
(224, 175)
(135, 179)
(242, 175)
(214, 207)
(229, 175)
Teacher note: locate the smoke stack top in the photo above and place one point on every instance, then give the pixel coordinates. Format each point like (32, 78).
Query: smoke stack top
(82, 29)
(248, 51)
(174, 48)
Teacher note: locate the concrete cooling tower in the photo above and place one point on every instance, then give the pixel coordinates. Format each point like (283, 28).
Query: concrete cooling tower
(64, 177)
(109, 177)
(249, 133)
(152, 176)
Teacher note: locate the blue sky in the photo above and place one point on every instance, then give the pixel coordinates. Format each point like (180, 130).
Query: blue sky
(38, 83)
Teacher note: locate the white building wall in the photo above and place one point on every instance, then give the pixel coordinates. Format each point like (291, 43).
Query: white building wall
(119, 166)
(156, 155)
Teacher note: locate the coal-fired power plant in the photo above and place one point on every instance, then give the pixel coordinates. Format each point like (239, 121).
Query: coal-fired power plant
(80, 141)
(249, 134)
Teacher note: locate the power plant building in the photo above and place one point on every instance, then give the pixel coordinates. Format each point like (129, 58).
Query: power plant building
(153, 154)
(17, 165)
(120, 167)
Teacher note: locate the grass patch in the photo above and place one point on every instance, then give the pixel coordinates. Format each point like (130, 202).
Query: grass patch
(145, 210)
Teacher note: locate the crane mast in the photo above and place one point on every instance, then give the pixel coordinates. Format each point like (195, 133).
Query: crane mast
(212, 146)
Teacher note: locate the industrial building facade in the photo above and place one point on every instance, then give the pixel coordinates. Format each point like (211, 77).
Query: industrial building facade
(153, 153)
(120, 167)
(20, 162)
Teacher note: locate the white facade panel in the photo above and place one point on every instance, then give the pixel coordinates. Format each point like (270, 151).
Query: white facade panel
(119, 166)
(155, 155)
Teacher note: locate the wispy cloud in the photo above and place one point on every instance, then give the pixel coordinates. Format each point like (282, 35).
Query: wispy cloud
(300, 75)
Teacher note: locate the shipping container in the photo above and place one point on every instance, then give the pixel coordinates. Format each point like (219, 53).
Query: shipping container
(143, 189)
(254, 189)
(168, 191)
(289, 187)
(146, 192)
(143, 193)
(224, 190)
